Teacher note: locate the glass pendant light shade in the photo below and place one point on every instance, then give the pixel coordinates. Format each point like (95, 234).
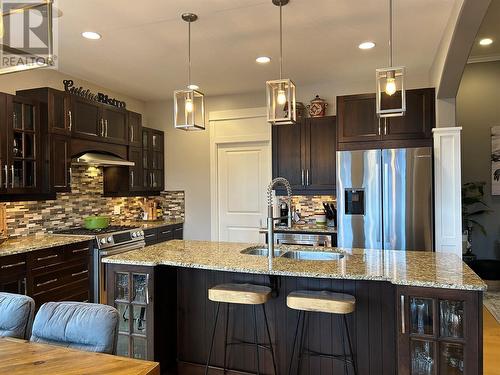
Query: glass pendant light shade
(281, 102)
(189, 104)
(189, 110)
(391, 95)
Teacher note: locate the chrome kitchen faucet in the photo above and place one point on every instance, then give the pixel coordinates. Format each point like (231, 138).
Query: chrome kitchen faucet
(270, 219)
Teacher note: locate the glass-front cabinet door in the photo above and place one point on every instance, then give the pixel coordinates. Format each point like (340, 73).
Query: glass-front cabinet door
(131, 295)
(20, 172)
(438, 331)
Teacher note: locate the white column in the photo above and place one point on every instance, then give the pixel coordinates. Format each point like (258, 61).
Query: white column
(447, 190)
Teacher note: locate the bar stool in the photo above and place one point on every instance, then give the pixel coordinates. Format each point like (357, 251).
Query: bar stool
(307, 301)
(243, 294)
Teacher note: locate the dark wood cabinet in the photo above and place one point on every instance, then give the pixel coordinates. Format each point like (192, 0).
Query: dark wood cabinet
(135, 155)
(87, 122)
(13, 274)
(134, 129)
(60, 162)
(152, 160)
(439, 331)
(163, 233)
(358, 126)
(304, 153)
(115, 124)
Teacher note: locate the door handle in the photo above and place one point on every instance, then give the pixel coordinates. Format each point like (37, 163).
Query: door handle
(70, 120)
(302, 177)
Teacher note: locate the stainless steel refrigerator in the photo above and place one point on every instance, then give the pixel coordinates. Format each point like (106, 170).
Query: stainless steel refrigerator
(385, 199)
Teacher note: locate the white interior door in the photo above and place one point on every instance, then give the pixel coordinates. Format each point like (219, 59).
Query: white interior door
(242, 178)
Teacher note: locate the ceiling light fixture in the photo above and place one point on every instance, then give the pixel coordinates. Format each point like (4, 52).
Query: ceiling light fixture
(281, 93)
(366, 45)
(263, 59)
(189, 104)
(390, 82)
(91, 35)
(486, 41)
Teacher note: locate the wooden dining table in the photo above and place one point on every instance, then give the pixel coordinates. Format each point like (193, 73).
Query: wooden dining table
(24, 357)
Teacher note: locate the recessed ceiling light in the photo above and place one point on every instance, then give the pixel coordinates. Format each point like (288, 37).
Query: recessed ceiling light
(366, 45)
(263, 59)
(193, 87)
(91, 35)
(486, 41)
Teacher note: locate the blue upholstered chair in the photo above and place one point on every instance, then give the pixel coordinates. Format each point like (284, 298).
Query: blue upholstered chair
(84, 326)
(16, 315)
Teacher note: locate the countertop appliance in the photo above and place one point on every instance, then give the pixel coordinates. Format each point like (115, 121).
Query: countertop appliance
(385, 199)
(112, 240)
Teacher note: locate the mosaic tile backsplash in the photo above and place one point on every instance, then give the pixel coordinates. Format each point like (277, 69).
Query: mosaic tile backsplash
(68, 209)
(310, 204)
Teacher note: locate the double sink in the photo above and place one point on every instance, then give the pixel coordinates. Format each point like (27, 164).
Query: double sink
(294, 254)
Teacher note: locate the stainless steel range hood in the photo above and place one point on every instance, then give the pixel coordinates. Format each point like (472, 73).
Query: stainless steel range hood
(101, 160)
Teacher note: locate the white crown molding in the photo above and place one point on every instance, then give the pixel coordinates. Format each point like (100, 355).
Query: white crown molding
(481, 59)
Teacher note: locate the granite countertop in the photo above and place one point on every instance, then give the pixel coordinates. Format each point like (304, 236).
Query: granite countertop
(305, 228)
(426, 269)
(18, 245)
(152, 224)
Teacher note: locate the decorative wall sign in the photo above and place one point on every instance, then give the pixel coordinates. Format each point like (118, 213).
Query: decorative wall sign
(70, 87)
(495, 160)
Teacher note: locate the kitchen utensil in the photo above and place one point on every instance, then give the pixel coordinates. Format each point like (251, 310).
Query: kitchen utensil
(96, 222)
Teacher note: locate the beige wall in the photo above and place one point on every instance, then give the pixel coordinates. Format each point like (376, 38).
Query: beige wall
(9, 83)
(478, 109)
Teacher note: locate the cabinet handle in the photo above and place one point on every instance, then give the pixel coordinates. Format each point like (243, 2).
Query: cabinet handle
(79, 273)
(149, 235)
(403, 326)
(6, 169)
(70, 120)
(25, 283)
(385, 126)
(379, 127)
(76, 251)
(12, 265)
(302, 177)
(47, 257)
(70, 176)
(307, 177)
(12, 175)
(47, 282)
(106, 132)
(102, 127)
(131, 178)
(166, 231)
(1, 176)
(147, 288)
(132, 134)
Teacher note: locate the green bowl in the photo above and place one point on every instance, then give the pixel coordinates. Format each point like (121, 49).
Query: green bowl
(96, 222)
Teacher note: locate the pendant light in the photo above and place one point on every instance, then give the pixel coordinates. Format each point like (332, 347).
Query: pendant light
(189, 103)
(391, 95)
(280, 93)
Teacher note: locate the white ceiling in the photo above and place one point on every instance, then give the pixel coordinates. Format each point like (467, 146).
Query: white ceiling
(143, 49)
(490, 28)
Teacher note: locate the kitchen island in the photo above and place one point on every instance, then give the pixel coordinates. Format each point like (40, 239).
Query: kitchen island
(413, 309)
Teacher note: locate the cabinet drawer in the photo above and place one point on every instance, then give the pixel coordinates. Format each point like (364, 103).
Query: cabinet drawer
(47, 257)
(151, 236)
(165, 233)
(76, 251)
(12, 265)
(60, 277)
(76, 291)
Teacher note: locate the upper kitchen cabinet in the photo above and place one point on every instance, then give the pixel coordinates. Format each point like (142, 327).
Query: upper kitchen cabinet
(134, 129)
(94, 121)
(360, 128)
(21, 155)
(304, 154)
(152, 159)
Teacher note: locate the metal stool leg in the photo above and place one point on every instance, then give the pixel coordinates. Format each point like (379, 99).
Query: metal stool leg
(294, 343)
(256, 338)
(269, 338)
(213, 337)
(350, 346)
(305, 322)
(339, 326)
(225, 338)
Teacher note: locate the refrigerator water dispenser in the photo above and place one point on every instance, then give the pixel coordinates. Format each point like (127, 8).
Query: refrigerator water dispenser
(354, 201)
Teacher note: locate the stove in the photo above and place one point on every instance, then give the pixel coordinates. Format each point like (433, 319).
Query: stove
(107, 237)
(112, 240)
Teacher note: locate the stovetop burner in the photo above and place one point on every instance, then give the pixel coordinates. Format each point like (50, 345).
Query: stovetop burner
(94, 232)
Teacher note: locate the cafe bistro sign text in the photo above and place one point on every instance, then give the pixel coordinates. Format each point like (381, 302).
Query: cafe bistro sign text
(87, 94)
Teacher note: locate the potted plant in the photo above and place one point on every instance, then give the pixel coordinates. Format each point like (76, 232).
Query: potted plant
(472, 207)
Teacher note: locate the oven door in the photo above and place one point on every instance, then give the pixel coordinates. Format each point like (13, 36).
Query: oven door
(99, 268)
(303, 239)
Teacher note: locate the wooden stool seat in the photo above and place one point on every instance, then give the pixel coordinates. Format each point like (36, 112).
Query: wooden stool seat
(245, 294)
(321, 301)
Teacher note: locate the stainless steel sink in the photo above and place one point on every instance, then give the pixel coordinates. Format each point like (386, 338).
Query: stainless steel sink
(312, 255)
(261, 251)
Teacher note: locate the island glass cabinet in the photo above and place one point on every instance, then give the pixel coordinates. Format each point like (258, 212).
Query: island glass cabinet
(438, 332)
